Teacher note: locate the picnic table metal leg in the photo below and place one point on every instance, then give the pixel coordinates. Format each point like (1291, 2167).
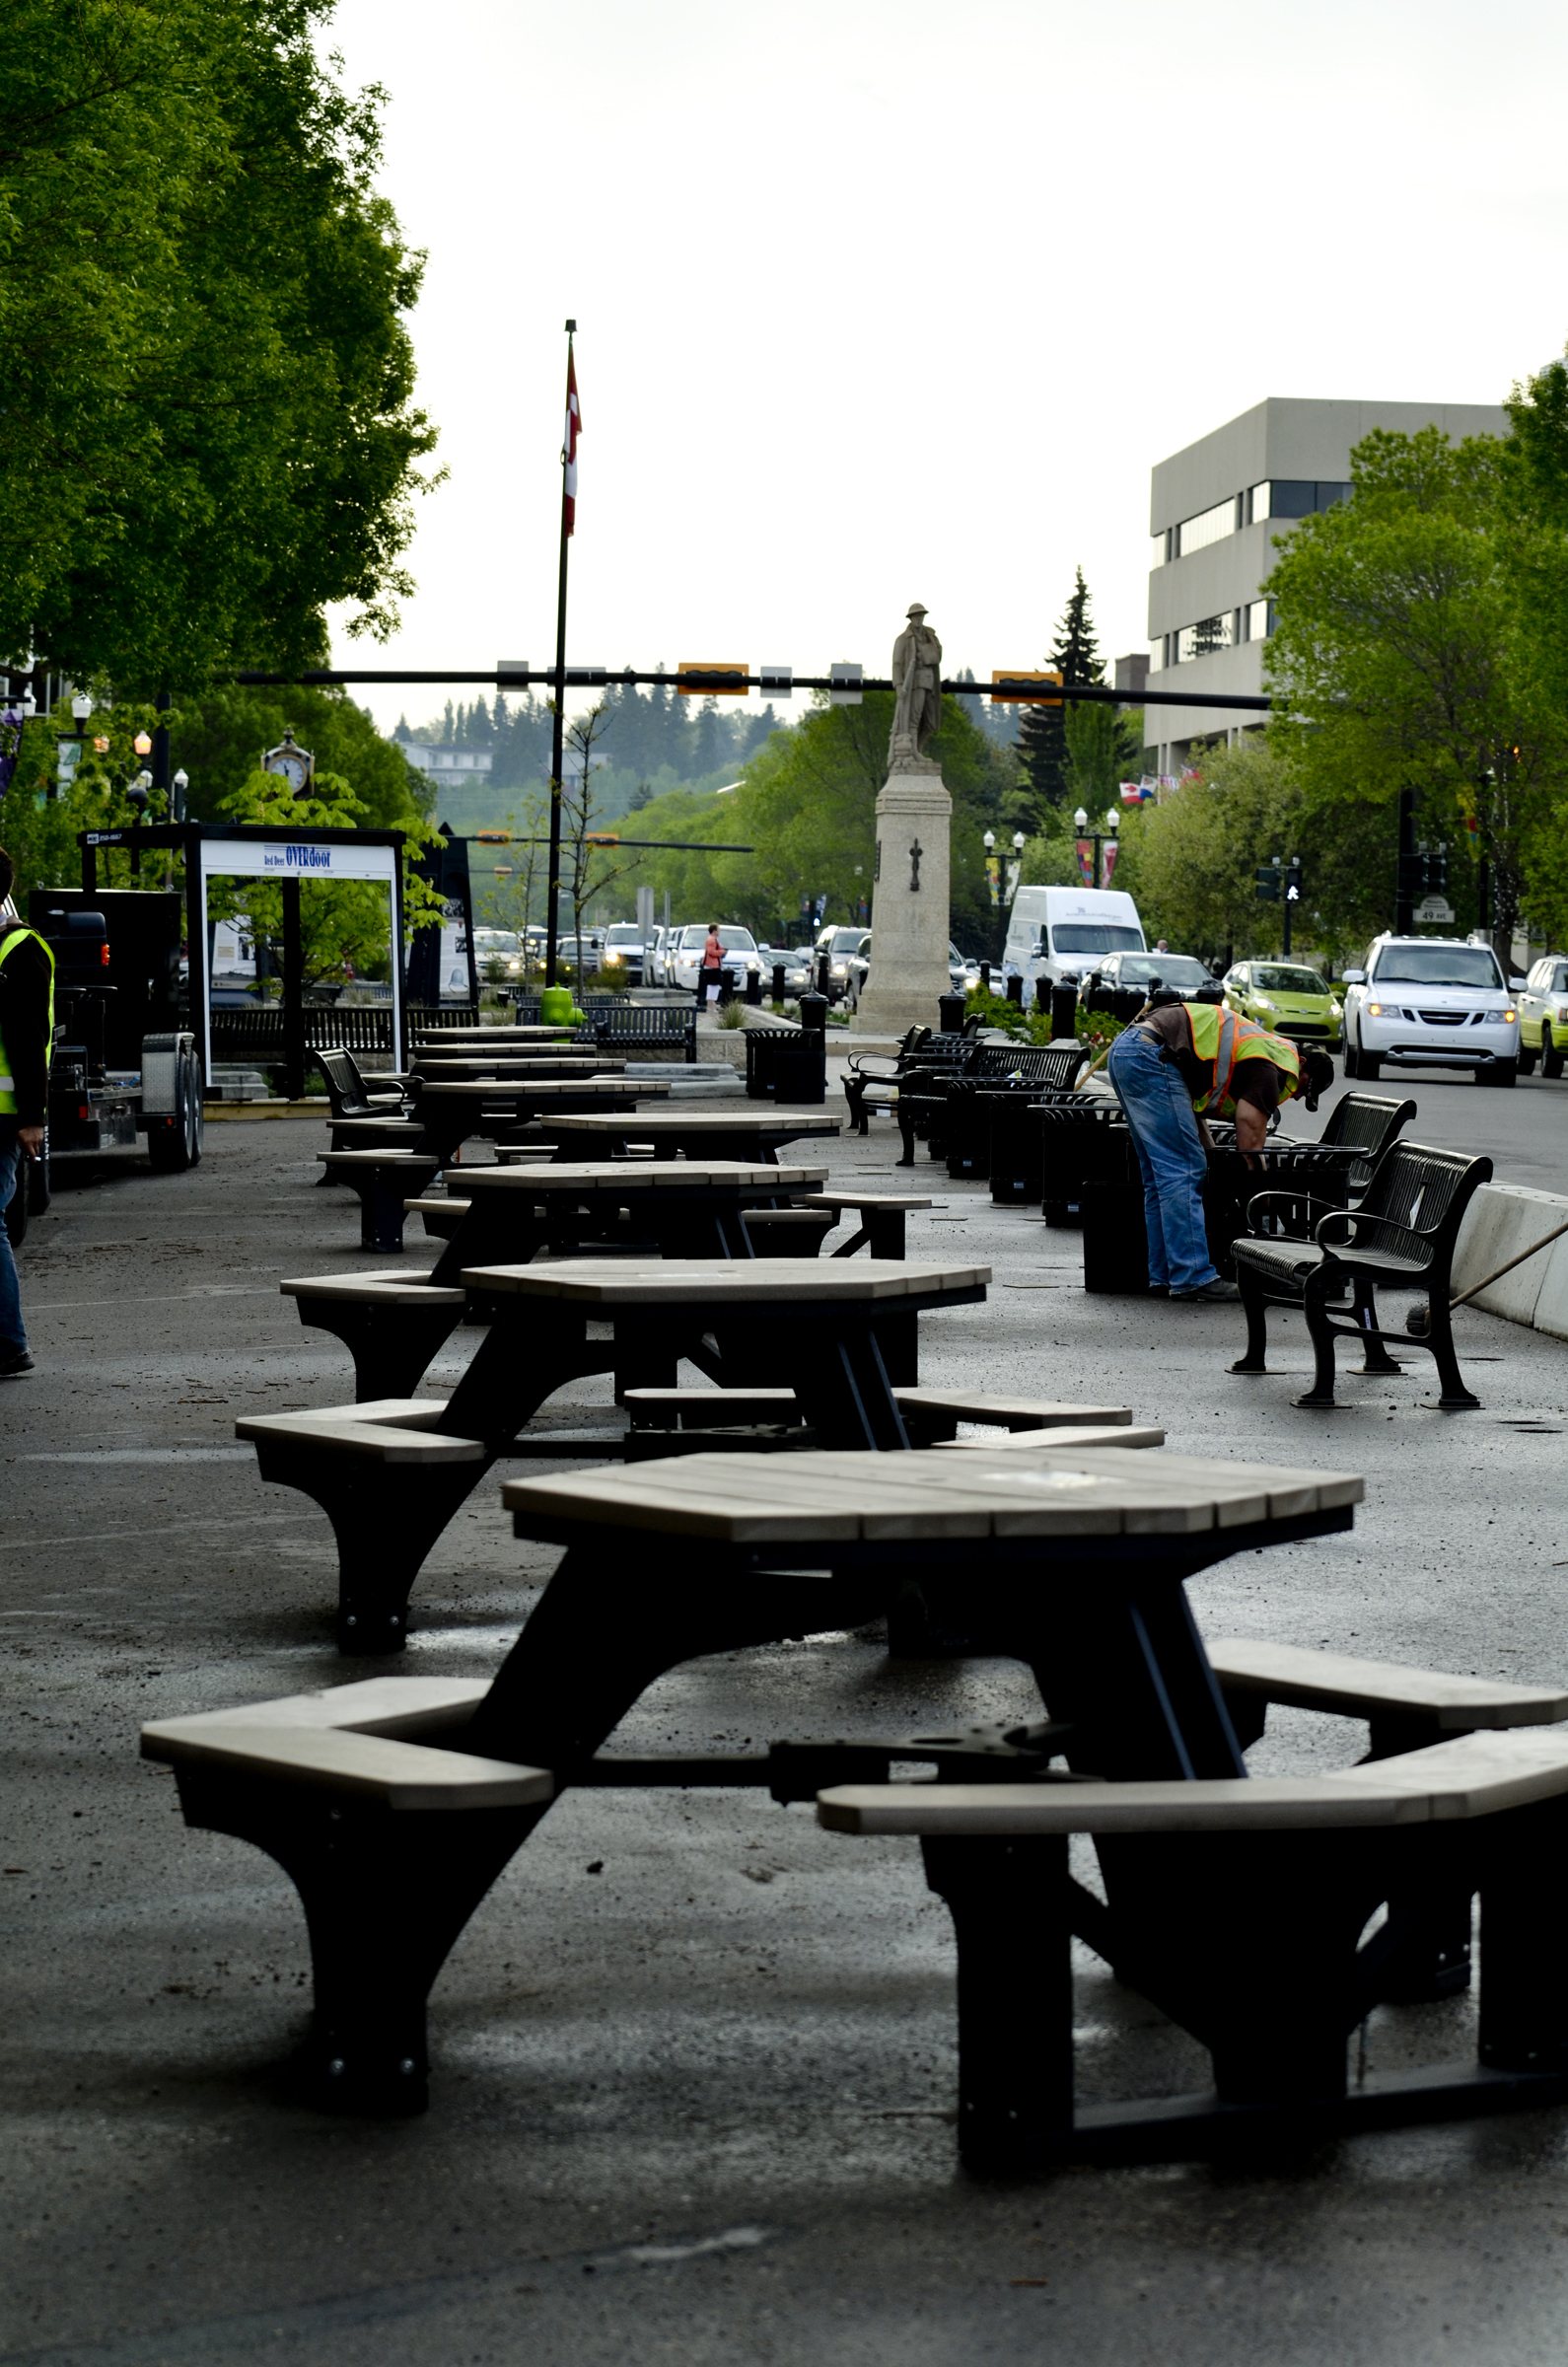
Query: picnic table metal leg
(1523, 2025)
(1008, 1898)
(386, 1896)
(490, 1236)
(531, 1350)
(844, 1389)
(393, 1347)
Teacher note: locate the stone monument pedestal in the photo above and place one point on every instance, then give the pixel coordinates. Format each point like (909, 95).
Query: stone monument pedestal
(910, 935)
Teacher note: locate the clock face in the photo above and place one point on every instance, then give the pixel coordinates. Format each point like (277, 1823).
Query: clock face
(295, 768)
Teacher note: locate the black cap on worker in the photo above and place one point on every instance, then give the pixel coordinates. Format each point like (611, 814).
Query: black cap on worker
(1316, 1075)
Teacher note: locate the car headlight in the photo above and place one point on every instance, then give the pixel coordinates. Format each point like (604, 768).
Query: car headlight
(1508, 1016)
(1260, 1002)
(610, 958)
(752, 963)
(1335, 1010)
(1374, 1010)
(841, 969)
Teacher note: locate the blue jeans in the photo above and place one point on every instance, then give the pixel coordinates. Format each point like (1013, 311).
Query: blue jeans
(13, 1337)
(1170, 1158)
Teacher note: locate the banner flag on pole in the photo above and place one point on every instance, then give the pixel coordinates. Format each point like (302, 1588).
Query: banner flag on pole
(574, 428)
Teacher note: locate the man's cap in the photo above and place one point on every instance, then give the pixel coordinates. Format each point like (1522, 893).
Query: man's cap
(915, 610)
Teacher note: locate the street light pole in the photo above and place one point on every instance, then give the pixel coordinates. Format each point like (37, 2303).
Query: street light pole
(1111, 835)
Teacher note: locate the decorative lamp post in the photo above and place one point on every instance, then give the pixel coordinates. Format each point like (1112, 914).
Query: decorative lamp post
(1097, 874)
(180, 783)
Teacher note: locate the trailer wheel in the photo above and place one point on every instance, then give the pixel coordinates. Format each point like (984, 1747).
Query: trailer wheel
(177, 1143)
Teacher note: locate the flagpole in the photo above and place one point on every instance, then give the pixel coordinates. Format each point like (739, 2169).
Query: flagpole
(552, 885)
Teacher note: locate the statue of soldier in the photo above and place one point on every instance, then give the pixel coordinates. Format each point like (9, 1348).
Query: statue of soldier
(916, 674)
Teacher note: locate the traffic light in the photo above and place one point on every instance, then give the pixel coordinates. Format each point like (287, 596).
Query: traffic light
(1437, 870)
(1293, 880)
(1413, 878)
(1267, 878)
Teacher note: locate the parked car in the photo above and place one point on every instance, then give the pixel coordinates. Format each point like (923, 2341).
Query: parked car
(581, 955)
(1543, 1016)
(624, 951)
(795, 966)
(741, 956)
(841, 944)
(1289, 999)
(1180, 973)
(498, 951)
(961, 975)
(1431, 1002)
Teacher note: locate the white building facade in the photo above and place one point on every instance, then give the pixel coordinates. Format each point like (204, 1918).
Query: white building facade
(1216, 511)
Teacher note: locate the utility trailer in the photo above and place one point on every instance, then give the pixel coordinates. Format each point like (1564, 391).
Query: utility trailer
(126, 1066)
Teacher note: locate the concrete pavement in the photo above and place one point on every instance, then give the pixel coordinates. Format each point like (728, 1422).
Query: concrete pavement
(693, 2070)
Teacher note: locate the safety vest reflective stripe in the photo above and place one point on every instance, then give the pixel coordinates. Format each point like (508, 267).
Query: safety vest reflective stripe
(1221, 1038)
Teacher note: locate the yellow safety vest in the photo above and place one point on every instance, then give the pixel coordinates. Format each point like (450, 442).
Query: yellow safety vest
(8, 1090)
(1220, 1038)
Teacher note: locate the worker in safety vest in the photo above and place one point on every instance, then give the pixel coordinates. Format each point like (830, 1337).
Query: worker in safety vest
(27, 1031)
(1174, 1065)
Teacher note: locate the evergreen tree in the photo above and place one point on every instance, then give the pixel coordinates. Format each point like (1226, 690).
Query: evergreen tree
(1042, 735)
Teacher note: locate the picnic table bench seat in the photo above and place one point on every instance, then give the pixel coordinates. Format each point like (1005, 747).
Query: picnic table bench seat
(441, 1213)
(1402, 1234)
(383, 1179)
(1273, 1993)
(391, 1324)
(391, 1834)
(880, 1231)
(389, 1479)
(797, 1232)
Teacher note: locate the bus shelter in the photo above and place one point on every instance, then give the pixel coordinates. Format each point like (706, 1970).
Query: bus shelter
(259, 852)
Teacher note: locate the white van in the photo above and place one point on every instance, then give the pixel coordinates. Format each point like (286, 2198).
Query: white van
(1057, 933)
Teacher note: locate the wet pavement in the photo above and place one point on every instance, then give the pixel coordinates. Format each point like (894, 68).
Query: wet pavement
(693, 2068)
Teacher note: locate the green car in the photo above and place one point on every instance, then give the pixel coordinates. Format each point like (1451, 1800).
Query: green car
(1288, 999)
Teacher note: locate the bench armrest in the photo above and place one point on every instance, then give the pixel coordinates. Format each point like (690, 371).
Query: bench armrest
(1307, 1212)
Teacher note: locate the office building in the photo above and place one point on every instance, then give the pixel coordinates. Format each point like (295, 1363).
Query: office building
(1216, 511)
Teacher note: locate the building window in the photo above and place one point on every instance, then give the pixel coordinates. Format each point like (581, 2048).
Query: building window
(1202, 639)
(1159, 548)
(1209, 525)
(1293, 497)
(1158, 653)
(1257, 620)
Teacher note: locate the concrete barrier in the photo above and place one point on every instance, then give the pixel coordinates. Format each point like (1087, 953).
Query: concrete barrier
(1502, 1220)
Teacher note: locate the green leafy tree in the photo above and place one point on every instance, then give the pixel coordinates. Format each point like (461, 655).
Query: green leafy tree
(210, 432)
(1104, 748)
(343, 924)
(1404, 660)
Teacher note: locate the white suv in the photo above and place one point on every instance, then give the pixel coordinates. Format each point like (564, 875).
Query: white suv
(1431, 1002)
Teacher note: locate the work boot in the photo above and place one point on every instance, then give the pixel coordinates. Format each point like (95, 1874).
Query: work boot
(1219, 1291)
(13, 1362)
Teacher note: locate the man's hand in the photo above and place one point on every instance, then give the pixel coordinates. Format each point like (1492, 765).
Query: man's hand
(32, 1140)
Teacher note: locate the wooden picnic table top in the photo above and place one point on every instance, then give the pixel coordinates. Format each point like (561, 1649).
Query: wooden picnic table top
(611, 1283)
(821, 1498)
(500, 1089)
(618, 1178)
(544, 1060)
(778, 1125)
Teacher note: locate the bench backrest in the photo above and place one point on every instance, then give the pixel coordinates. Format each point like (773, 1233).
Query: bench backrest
(1417, 1188)
(345, 1089)
(1367, 1122)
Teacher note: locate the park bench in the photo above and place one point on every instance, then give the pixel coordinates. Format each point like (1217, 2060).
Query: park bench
(1402, 1234)
(867, 1089)
(348, 1094)
(391, 1836)
(628, 1027)
(947, 1110)
(384, 1179)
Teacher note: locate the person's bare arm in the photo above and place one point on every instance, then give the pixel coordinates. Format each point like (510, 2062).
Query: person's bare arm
(1251, 1126)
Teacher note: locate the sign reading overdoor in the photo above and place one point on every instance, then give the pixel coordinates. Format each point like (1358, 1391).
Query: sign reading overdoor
(297, 858)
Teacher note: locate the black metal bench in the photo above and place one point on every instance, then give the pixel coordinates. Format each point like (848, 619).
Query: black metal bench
(1402, 1234)
(947, 1110)
(867, 1089)
(347, 1093)
(627, 1027)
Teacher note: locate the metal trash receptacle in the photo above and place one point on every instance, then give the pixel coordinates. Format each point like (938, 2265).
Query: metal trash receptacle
(786, 1064)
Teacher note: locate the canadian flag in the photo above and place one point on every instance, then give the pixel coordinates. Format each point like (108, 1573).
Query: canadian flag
(574, 428)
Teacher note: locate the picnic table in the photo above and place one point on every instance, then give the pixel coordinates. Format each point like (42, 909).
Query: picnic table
(676, 1207)
(449, 1110)
(754, 1135)
(842, 1333)
(544, 1060)
(483, 1038)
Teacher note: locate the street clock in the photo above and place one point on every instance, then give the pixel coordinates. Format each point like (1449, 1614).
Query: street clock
(296, 764)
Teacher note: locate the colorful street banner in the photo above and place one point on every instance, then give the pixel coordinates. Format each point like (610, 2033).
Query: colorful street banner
(1086, 859)
(1112, 850)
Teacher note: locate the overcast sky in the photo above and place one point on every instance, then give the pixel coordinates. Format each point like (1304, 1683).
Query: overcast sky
(879, 303)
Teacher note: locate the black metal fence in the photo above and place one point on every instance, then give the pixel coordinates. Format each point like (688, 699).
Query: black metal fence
(256, 1036)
